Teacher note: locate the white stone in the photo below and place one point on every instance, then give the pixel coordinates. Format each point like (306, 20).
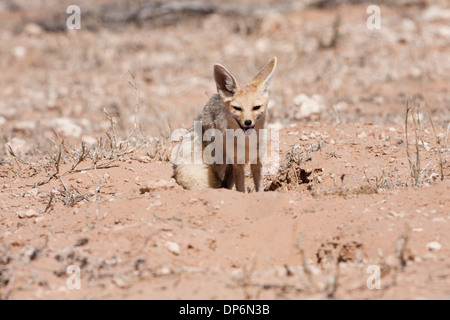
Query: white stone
(436, 13)
(434, 246)
(65, 127)
(19, 146)
(90, 141)
(27, 125)
(33, 29)
(19, 51)
(28, 213)
(173, 247)
(307, 106)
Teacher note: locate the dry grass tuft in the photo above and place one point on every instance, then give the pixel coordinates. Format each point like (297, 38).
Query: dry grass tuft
(291, 175)
(438, 143)
(420, 174)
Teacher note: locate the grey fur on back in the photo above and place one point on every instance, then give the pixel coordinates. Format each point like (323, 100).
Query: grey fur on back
(199, 176)
(213, 114)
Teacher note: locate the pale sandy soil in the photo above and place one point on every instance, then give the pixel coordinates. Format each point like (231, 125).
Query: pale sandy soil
(347, 204)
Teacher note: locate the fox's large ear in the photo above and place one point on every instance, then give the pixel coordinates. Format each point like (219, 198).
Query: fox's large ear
(262, 80)
(225, 82)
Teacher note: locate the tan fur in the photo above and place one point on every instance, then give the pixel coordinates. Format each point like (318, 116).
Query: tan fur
(196, 176)
(230, 109)
(193, 176)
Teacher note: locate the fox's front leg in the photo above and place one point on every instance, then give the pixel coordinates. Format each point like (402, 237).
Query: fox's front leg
(256, 174)
(239, 177)
(228, 180)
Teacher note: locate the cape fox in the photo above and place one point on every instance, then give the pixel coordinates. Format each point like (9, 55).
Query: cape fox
(242, 109)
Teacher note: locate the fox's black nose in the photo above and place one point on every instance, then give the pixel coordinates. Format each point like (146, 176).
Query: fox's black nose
(248, 122)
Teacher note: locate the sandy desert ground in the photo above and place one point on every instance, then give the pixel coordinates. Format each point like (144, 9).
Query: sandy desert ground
(85, 172)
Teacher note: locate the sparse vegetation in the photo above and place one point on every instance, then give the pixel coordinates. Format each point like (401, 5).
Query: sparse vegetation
(86, 119)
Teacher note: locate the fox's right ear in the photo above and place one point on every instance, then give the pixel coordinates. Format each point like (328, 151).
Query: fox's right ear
(262, 79)
(225, 82)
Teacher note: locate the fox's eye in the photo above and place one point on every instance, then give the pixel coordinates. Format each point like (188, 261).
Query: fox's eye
(237, 108)
(256, 107)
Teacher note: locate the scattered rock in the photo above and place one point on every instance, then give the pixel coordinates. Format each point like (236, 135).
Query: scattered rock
(19, 146)
(39, 219)
(19, 51)
(262, 45)
(90, 141)
(28, 213)
(415, 72)
(173, 247)
(444, 31)
(156, 203)
(31, 193)
(120, 282)
(24, 126)
(397, 214)
(306, 106)
(362, 135)
(434, 13)
(434, 246)
(144, 159)
(5, 234)
(164, 271)
(139, 265)
(157, 185)
(379, 100)
(340, 106)
(33, 29)
(30, 253)
(81, 242)
(434, 176)
(65, 127)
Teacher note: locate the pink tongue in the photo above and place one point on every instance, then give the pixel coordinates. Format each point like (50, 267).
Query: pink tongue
(248, 131)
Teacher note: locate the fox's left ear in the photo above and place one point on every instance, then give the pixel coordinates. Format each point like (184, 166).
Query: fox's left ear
(262, 79)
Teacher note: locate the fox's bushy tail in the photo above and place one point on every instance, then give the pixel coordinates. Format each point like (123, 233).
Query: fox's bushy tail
(196, 176)
(191, 175)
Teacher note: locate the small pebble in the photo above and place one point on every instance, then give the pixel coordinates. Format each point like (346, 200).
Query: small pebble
(173, 247)
(434, 246)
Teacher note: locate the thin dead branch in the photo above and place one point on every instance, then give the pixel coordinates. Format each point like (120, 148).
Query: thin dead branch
(438, 143)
